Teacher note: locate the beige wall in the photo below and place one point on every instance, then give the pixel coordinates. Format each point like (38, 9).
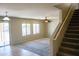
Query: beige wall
(64, 8)
(16, 30)
(54, 22)
(52, 27)
(76, 5)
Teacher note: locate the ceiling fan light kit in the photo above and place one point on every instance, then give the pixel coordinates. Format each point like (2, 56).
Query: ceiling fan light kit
(6, 17)
(46, 20)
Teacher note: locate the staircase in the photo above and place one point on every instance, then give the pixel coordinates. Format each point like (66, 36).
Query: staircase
(70, 44)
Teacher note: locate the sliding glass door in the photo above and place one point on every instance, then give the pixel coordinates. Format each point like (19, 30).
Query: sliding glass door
(4, 33)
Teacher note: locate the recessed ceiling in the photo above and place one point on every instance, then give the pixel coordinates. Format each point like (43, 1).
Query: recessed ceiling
(28, 10)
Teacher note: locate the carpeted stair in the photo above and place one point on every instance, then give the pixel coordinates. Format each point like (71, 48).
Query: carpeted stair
(70, 43)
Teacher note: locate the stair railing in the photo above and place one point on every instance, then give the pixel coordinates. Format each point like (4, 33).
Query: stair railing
(60, 27)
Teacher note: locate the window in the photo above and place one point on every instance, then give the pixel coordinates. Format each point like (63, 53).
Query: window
(26, 29)
(36, 28)
(23, 29)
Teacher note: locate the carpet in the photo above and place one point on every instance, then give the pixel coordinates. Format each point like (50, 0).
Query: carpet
(40, 46)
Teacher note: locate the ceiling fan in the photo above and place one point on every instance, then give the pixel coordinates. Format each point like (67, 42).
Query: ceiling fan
(46, 20)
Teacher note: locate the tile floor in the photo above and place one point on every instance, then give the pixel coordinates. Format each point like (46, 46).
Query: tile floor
(38, 47)
(14, 51)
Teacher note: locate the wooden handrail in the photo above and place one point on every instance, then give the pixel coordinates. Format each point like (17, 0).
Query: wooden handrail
(61, 26)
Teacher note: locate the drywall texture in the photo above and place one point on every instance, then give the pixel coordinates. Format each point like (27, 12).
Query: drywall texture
(52, 26)
(54, 22)
(76, 5)
(16, 30)
(64, 7)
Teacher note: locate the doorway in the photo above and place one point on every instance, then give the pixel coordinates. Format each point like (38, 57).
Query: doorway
(4, 34)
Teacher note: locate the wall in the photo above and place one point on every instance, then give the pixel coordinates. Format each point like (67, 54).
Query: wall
(52, 26)
(54, 22)
(16, 30)
(76, 5)
(64, 7)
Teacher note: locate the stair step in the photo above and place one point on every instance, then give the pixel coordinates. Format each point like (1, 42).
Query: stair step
(71, 45)
(74, 19)
(63, 54)
(72, 32)
(73, 40)
(72, 35)
(73, 27)
(76, 13)
(69, 51)
(77, 44)
(74, 24)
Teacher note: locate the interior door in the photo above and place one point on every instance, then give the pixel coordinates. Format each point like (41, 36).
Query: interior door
(4, 33)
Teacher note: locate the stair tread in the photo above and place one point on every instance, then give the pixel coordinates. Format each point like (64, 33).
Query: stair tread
(72, 38)
(65, 54)
(73, 26)
(74, 23)
(71, 33)
(71, 49)
(73, 30)
(71, 43)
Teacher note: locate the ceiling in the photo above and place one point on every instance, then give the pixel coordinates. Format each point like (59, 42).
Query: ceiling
(29, 10)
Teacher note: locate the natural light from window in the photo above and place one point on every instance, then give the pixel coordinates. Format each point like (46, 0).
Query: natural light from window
(23, 29)
(36, 28)
(28, 29)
